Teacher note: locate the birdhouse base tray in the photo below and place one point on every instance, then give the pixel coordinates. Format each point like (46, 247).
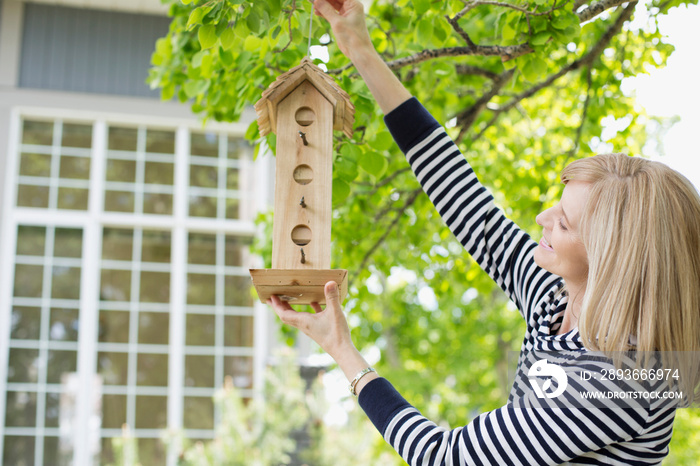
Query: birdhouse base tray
(298, 286)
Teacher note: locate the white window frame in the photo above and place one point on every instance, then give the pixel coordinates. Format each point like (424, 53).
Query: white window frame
(92, 222)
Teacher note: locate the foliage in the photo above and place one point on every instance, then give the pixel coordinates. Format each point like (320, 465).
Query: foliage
(523, 88)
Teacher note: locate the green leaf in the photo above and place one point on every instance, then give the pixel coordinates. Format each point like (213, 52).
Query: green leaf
(346, 168)
(207, 36)
(564, 20)
(195, 17)
(421, 6)
(227, 38)
(382, 141)
(253, 22)
(534, 68)
(186, 2)
(197, 58)
(424, 32)
(341, 191)
(373, 163)
(540, 38)
(194, 88)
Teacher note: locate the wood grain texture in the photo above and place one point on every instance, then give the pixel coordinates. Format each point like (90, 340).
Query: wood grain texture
(317, 194)
(298, 286)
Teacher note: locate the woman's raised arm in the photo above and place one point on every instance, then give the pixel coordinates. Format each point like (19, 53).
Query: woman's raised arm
(347, 19)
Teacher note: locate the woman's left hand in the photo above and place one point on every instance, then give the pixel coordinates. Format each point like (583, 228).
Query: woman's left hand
(327, 327)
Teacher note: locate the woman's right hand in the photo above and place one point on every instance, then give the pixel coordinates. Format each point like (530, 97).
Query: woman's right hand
(347, 19)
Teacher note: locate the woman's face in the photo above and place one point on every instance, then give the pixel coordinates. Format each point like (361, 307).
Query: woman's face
(561, 250)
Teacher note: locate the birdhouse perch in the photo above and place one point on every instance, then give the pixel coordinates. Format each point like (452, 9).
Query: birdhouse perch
(302, 107)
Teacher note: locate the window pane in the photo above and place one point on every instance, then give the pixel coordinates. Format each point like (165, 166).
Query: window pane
(23, 366)
(113, 367)
(35, 165)
(68, 242)
(233, 209)
(117, 244)
(30, 240)
(28, 280)
(198, 412)
(72, 198)
(238, 147)
(60, 363)
(32, 196)
(155, 287)
(122, 138)
(240, 368)
(58, 452)
(21, 411)
(19, 451)
(159, 204)
(26, 323)
(204, 144)
(199, 371)
(237, 291)
(238, 331)
(115, 285)
(152, 370)
(160, 141)
(154, 327)
(121, 170)
(107, 451)
(37, 132)
(235, 248)
(65, 283)
(119, 201)
(113, 411)
(202, 249)
(200, 330)
(75, 167)
(151, 450)
(151, 413)
(156, 246)
(201, 289)
(232, 179)
(114, 327)
(201, 206)
(77, 135)
(53, 409)
(159, 173)
(203, 176)
(64, 324)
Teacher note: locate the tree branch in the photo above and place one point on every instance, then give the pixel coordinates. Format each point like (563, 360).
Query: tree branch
(409, 202)
(469, 116)
(475, 70)
(585, 60)
(506, 52)
(596, 8)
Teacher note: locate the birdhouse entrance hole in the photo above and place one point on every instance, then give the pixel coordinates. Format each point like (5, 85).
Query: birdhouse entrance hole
(301, 235)
(303, 174)
(305, 116)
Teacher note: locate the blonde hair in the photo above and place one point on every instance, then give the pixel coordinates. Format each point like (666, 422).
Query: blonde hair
(641, 230)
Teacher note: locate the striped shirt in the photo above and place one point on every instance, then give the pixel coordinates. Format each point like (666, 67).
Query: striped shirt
(522, 432)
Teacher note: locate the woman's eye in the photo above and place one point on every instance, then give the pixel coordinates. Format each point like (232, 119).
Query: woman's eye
(561, 224)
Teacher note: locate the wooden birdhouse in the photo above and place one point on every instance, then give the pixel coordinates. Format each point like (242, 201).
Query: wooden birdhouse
(302, 107)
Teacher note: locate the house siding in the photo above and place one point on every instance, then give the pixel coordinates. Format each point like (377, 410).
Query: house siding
(89, 51)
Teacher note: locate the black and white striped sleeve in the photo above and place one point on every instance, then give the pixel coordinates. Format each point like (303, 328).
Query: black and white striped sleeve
(517, 434)
(500, 247)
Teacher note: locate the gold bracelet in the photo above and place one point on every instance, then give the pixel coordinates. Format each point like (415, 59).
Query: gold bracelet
(357, 378)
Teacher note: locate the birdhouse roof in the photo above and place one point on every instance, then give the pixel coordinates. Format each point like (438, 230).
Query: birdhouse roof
(266, 107)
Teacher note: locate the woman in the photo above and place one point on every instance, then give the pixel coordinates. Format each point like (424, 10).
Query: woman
(617, 270)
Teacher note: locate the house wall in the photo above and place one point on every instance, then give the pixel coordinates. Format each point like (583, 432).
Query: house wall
(88, 51)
